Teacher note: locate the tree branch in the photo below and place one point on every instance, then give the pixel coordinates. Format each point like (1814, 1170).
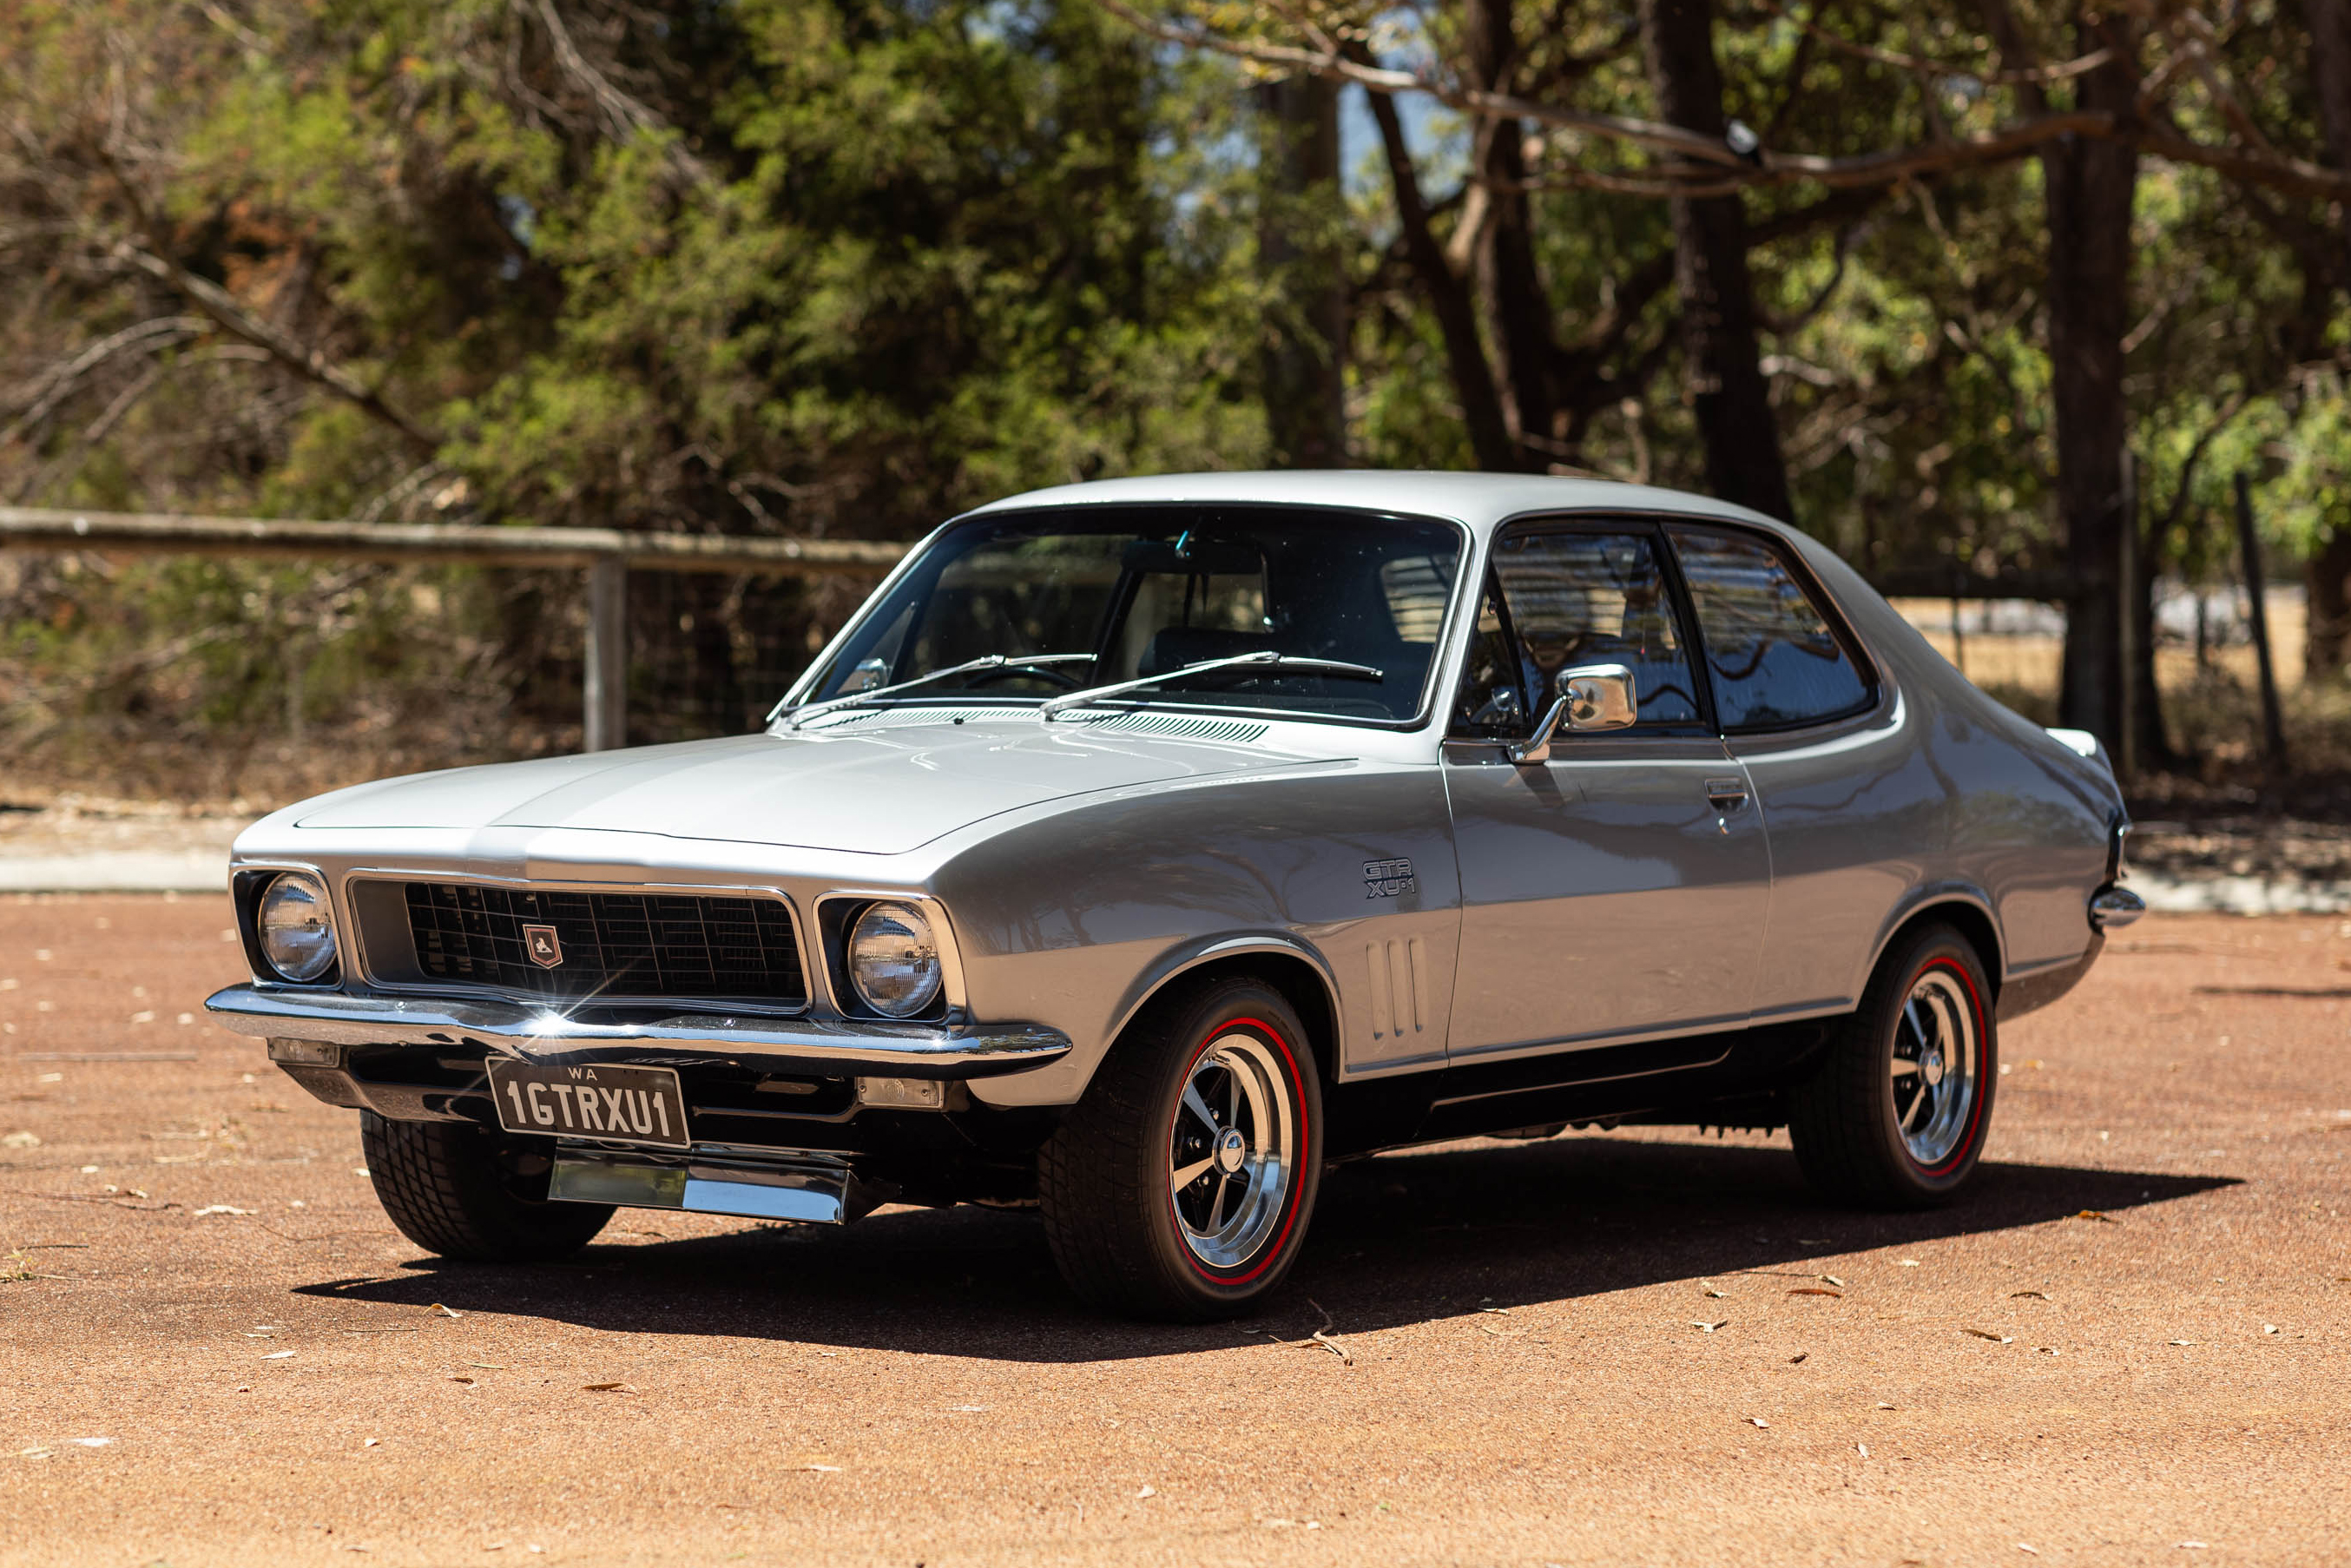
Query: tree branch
(1709, 168)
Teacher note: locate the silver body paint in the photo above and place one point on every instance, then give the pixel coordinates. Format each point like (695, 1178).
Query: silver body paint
(1600, 898)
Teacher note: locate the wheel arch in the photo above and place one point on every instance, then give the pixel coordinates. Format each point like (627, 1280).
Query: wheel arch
(1966, 912)
(1289, 965)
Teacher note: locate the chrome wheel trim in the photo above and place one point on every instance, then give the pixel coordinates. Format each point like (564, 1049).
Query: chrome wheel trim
(1233, 1153)
(1937, 1067)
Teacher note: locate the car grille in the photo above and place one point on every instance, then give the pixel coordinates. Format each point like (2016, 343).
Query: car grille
(608, 945)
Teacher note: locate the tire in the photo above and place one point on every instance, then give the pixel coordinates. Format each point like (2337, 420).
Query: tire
(1893, 1116)
(1129, 1236)
(470, 1195)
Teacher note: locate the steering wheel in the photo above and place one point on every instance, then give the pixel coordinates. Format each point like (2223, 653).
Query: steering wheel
(1056, 673)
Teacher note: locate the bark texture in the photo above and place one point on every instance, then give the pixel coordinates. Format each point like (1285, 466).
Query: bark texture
(1304, 359)
(1518, 316)
(1724, 376)
(2091, 186)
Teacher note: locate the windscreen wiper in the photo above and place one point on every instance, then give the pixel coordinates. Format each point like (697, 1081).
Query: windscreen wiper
(1267, 659)
(802, 715)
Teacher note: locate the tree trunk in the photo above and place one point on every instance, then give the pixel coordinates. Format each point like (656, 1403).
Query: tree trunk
(2090, 189)
(1449, 301)
(1725, 381)
(2330, 75)
(1518, 309)
(2328, 644)
(1304, 356)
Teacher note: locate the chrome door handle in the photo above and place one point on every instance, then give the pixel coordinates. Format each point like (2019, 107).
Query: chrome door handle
(1726, 794)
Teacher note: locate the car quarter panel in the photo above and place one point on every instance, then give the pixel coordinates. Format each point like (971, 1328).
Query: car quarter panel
(2002, 814)
(1071, 919)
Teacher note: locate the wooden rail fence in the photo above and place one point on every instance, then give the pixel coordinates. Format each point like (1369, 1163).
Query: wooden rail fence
(607, 555)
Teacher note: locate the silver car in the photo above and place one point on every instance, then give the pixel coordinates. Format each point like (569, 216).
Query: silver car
(1141, 848)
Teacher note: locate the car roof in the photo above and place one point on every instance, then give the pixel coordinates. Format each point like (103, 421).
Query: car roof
(1481, 501)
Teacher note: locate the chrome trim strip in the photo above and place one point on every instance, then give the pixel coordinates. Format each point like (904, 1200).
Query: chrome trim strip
(538, 1034)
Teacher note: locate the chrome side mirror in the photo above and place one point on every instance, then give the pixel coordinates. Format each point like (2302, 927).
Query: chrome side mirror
(1591, 697)
(1600, 696)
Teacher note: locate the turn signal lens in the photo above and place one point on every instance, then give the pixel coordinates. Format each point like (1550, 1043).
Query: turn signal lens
(894, 961)
(296, 934)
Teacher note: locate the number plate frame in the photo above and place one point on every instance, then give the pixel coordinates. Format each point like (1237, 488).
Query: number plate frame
(640, 1106)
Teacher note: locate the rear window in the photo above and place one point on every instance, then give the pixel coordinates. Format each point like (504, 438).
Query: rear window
(1776, 661)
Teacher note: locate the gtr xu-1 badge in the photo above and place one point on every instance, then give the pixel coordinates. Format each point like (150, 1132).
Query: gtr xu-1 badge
(545, 950)
(1388, 879)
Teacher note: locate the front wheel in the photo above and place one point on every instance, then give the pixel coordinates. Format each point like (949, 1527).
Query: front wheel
(473, 1195)
(1181, 1185)
(1895, 1116)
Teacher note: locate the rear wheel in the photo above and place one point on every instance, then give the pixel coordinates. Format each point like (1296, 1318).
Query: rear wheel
(1181, 1185)
(1894, 1116)
(471, 1195)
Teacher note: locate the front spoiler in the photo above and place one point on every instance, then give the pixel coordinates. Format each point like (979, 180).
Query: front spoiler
(531, 1034)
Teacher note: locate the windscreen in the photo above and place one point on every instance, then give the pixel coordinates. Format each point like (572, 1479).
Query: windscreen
(1123, 592)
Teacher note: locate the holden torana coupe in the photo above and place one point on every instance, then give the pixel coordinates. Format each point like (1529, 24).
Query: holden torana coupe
(1143, 848)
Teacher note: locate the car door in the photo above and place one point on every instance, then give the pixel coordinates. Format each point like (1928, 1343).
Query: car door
(1618, 889)
(1848, 795)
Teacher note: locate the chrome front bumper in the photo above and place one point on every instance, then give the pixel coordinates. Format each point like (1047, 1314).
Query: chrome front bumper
(532, 1034)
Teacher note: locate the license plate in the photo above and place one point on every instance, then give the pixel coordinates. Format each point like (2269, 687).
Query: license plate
(623, 1105)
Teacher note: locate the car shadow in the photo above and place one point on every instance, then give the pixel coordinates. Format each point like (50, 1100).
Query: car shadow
(1397, 1240)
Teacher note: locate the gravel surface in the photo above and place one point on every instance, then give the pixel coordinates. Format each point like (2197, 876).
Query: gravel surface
(2126, 1345)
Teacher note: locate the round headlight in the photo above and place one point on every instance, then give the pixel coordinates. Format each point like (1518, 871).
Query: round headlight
(297, 936)
(893, 961)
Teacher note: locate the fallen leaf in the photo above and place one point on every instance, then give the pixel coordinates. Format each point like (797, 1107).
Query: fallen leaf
(220, 1208)
(437, 1307)
(1905, 1263)
(1148, 1492)
(2191, 1546)
(454, 1377)
(34, 1453)
(1863, 1448)
(21, 1141)
(278, 1356)
(2179, 1341)
(1817, 1290)
(2100, 1215)
(1710, 1328)
(1758, 1421)
(827, 1469)
(1833, 1280)
(2020, 1546)
(89, 1442)
(1800, 1358)
(488, 1365)
(1707, 1286)
(1497, 1312)
(607, 1389)
(2036, 1295)
(372, 1443)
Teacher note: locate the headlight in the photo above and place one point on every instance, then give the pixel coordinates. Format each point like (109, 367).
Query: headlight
(894, 961)
(297, 936)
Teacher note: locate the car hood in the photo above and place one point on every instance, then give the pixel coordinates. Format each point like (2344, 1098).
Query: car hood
(883, 792)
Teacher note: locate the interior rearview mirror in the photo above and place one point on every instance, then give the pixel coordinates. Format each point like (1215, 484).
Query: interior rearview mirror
(1598, 696)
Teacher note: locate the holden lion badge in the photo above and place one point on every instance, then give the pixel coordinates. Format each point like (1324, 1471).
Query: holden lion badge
(545, 950)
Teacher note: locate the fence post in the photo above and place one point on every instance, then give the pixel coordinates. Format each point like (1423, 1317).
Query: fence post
(607, 683)
(2257, 615)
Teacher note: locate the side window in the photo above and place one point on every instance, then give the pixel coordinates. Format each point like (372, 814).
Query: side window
(1774, 660)
(1490, 702)
(1593, 599)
